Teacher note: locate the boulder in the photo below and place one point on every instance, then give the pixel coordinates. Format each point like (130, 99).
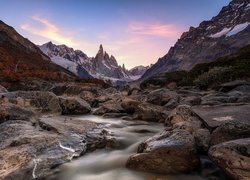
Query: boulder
(226, 87)
(191, 100)
(3, 89)
(230, 131)
(14, 112)
(233, 157)
(109, 107)
(216, 116)
(162, 96)
(39, 101)
(30, 151)
(150, 112)
(130, 105)
(183, 117)
(167, 152)
(74, 105)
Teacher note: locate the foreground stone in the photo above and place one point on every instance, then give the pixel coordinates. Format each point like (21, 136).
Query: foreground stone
(233, 157)
(30, 150)
(74, 105)
(168, 152)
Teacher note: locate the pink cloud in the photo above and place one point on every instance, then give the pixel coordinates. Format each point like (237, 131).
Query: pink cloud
(152, 29)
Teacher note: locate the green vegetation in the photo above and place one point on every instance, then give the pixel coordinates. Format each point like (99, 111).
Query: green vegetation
(208, 75)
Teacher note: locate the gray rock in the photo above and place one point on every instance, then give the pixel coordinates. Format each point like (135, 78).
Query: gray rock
(233, 157)
(215, 116)
(168, 152)
(231, 130)
(14, 112)
(39, 101)
(74, 105)
(162, 96)
(109, 107)
(226, 87)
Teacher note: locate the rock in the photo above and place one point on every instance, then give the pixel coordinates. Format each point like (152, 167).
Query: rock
(233, 157)
(14, 112)
(109, 107)
(231, 130)
(202, 139)
(74, 105)
(24, 145)
(171, 104)
(215, 116)
(73, 89)
(183, 117)
(242, 88)
(191, 100)
(130, 105)
(226, 87)
(150, 112)
(168, 152)
(162, 96)
(3, 89)
(38, 101)
(172, 86)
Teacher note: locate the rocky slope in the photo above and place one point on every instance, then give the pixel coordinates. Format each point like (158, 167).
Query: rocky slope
(223, 34)
(17, 57)
(101, 66)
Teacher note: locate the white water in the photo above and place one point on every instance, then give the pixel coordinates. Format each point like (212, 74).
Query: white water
(109, 164)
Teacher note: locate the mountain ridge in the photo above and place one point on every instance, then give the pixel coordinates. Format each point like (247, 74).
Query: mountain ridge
(223, 34)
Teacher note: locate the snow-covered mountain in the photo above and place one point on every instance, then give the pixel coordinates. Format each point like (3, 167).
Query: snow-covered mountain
(102, 66)
(223, 34)
(137, 72)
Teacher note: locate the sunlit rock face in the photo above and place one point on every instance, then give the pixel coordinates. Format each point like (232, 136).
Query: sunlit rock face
(223, 34)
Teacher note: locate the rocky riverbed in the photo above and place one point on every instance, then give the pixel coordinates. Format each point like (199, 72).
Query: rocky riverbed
(41, 130)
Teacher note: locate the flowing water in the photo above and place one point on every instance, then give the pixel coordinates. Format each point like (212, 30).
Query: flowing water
(109, 164)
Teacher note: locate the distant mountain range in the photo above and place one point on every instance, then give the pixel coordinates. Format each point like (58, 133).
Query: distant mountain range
(223, 34)
(102, 66)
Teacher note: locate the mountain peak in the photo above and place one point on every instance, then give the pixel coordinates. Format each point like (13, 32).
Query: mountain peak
(100, 49)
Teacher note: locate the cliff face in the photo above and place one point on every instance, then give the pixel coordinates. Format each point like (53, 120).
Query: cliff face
(223, 34)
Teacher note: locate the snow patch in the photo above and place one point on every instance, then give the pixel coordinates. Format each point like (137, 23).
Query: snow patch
(71, 66)
(221, 33)
(237, 29)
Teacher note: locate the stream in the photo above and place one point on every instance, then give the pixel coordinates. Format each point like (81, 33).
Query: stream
(109, 164)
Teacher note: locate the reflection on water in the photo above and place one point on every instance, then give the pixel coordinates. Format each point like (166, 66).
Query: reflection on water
(106, 164)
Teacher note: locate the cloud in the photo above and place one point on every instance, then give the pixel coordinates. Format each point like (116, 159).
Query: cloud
(49, 31)
(152, 29)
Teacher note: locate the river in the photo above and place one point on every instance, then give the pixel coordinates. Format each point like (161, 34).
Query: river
(109, 164)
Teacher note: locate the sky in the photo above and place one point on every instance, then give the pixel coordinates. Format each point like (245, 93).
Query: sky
(136, 32)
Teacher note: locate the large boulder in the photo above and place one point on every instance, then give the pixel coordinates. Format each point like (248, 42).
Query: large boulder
(109, 107)
(74, 105)
(38, 101)
(14, 112)
(230, 131)
(233, 157)
(150, 112)
(30, 151)
(183, 117)
(216, 116)
(130, 105)
(162, 96)
(168, 152)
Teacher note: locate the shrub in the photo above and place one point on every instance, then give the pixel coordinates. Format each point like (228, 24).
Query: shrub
(213, 77)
